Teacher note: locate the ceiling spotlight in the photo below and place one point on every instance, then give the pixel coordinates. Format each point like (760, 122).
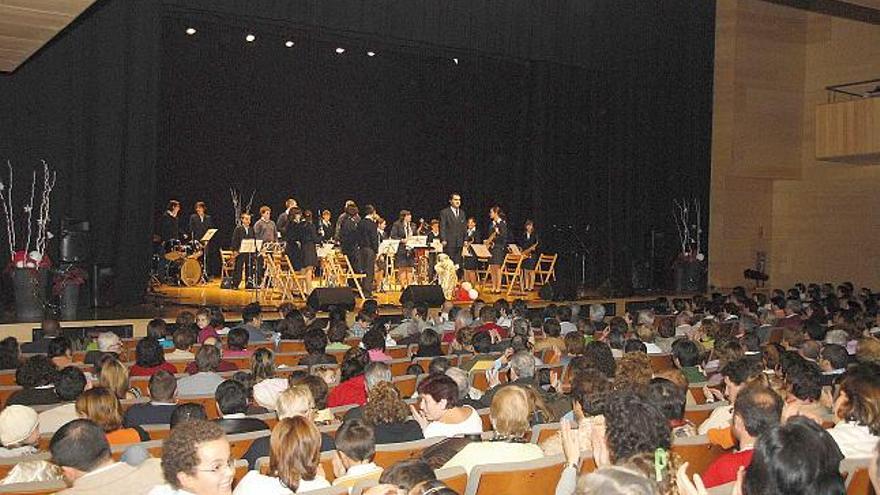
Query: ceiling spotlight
(340, 50)
(250, 38)
(190, 31)
(455, 61)
(371, 54)
(289, 44)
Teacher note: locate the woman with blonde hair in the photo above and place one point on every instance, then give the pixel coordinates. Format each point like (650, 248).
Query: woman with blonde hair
(509, 414)
(114, 377)
(102, 406)
(294, 461)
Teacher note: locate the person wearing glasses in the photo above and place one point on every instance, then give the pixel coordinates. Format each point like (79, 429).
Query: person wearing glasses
(196, 460)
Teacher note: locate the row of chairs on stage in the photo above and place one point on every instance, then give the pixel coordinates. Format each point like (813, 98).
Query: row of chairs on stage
(281, 281)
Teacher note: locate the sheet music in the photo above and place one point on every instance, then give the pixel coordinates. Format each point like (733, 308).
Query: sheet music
(514, 249)
(248, 246)
(389, 247)
(481, 251)
(417, 241)
(209, 234)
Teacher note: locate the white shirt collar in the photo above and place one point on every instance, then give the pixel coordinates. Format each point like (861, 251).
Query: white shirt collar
(359, 469)
(102, 469)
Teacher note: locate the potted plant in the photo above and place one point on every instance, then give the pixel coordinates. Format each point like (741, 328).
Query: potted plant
(28, 264)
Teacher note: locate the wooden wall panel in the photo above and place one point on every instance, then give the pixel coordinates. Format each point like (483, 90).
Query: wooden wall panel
(849, 131)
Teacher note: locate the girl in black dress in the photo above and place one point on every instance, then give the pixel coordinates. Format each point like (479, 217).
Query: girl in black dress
(498, 241)
(529, 245)
(402, 229)
(470, 262)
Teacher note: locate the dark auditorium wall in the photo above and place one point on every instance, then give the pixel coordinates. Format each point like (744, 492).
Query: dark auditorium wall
(571, 112)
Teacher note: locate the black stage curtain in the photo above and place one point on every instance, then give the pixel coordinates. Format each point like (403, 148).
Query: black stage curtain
(87, 104)
(594, 115)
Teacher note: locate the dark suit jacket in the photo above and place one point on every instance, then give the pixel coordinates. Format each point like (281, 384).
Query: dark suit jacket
(348, 237)
(282, 223)
(198, 226)
(239, 234)
(368, 234)
(169, 227)
(241, 425)
(452, 228)
(148, 414)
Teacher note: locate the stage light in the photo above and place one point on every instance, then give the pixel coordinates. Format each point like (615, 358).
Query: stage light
(371, 54)
(190, 31)
(455, 61)
(250, 38)
(340, 50)
(289, 44)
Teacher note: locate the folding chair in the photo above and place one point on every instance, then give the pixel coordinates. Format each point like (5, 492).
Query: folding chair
(545, 269)
(511, 272)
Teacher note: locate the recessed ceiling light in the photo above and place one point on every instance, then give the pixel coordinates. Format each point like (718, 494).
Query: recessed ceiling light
(289, 44)
(190, 31)
(250, 38)
(340, 50)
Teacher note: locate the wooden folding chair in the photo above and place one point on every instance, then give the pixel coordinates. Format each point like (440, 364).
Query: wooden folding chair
(541, 432)
(227, 263)
(516, 478)
(545, 269)
(348, 273)
(511, 272)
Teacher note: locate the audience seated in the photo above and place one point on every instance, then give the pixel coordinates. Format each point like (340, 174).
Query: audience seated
(598, 355)
(19, 431)
(196, 460)
(374, 374)
(353, 457)
(374, 343)
(670, 399)
(206, 327)
(756, 411)
(509, 414)
(103, 408)
(294, 461)
(320, 390)
(686, 355)
(206, 380)
(438, 412)
(150, 358)
(481, 344)
(108, 343)
(10, 354)
(429, 344)
(69, 385)
(388, 415)
(336, 335)
(50, 329)
(466, 393)
(37, 377)
(407, 475)
(187, 412)
(589, 390)
(232, 401)
(163, 390)
(236, 344)
(737, 374)
(266, 387)
(251, 320)
(316, 346)
(158, 329)
(352, 387)
(113, 376)
(857, 408)
(81, 450)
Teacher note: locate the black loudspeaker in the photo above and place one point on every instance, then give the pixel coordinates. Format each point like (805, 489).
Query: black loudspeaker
(432, 295)
(558, 291)
(323, 297)
(689, 277)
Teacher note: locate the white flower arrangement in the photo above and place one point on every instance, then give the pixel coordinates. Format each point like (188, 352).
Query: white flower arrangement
(32, 253)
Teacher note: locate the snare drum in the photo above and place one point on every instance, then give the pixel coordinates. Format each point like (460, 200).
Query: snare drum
(173, 251)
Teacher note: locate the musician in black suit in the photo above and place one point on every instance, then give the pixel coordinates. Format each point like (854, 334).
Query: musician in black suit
(169, 224)
(529, 244)
(471, 263)
(348, 237)
(200, 222)
(453, 224)
(368, 246)
(498, 238)
(284, 218)
(325, 227)
(403, 229)
(243, 260)
(433, 235)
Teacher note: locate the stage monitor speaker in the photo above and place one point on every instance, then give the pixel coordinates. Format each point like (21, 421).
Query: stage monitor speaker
(558, 291)
(323, 297)
(432, 295)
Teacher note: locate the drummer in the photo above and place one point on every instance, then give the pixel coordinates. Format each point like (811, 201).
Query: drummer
(169, 234)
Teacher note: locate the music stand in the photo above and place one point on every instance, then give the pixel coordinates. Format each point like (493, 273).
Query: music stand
(388, 248)
(249, 247)
(209, 234)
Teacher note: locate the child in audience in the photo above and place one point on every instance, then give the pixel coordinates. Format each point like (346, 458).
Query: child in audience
(353, 457)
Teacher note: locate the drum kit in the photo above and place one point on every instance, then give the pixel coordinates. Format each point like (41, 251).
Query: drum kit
(184, 264)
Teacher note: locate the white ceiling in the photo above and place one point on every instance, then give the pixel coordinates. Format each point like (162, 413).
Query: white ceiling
(27, 25)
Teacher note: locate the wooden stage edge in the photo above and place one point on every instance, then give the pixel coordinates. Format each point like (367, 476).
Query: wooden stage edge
(167, 301)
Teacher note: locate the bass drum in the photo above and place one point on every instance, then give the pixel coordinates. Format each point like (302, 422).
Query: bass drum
(191, 272)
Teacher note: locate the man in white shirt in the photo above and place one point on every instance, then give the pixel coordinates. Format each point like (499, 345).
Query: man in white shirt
(204, 382)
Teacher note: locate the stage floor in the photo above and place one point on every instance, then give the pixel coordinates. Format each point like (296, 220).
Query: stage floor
(211, 294)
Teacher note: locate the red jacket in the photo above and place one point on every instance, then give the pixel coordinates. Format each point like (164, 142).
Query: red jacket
(723, 469)
(141, 371)
(351, 391)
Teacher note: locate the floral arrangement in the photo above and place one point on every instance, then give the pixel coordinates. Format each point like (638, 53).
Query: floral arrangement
(72, 275)
(31, 253)
(687, 216)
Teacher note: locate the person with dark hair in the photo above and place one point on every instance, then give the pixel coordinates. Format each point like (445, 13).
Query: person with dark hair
(336, 335)
(157, 328)
(483, 359)
(196, 459)
(37, 377)
(671, 400)
(69, 385)
(163, 390)
(589, 389)
(10, 356)
(488, 317)
(50, 328)
(316, 346)
(796, 458)
(598, 355)
(438, 365)
(756, 411)
(857, 406)
(187, 411)
(149, 358)
(232, 401)
(833, 359)
(803, 384)
(251, 321)
(438, 412)
(60, 352)
(429, 344)
(183, 339)
(405, 475)
(737, 375)
(352, 388)
(388, 414)
(353, 457)
(207, 324)
(374, 343)
(80, 448)
(634, 345)
(687, 358)
(206, 380)
(236, 343)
